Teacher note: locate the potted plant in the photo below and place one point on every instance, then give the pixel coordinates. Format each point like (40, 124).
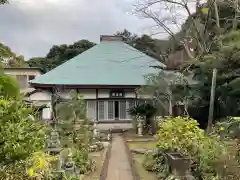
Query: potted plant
(179, 164)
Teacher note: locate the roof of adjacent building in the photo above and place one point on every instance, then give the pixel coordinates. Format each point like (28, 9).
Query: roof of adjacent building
(24, 68)
(112, 62)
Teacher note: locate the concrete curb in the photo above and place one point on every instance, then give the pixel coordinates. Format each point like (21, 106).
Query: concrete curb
(104, 169)
(131, 161)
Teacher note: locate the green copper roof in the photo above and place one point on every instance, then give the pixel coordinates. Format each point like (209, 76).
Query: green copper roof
(108, 63)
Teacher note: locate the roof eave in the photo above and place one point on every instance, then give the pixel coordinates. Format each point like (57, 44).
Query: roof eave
(83, 86)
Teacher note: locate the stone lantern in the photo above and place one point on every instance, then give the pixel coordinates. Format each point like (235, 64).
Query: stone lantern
(54, 148)
(54, 145)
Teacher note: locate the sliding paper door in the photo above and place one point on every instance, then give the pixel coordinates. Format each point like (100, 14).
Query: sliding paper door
(111, 114)
(122, 110)
(91, 110)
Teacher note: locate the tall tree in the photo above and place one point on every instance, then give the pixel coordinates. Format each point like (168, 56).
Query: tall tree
(210, 39)
(59, 54)
(9, 58)
(3, 2)
(153, 47)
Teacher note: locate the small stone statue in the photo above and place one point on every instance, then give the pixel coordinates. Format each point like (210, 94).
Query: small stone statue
(95, 131)
(140, 126)
(69, 165)
(109, 136)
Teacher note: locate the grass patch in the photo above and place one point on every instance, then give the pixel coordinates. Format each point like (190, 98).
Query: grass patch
(144, 175)
(142, 145)
(131, 135)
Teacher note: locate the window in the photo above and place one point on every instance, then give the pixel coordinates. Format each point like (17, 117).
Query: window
(31, 78)
(122, 110)
(91, 110)
(101, 110)
(110, 110)
(113, 109)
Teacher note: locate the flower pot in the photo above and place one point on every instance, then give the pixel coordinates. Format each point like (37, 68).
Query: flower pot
(179, 164)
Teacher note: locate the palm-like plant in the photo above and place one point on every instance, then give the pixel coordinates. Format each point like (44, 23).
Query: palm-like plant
(147, 111)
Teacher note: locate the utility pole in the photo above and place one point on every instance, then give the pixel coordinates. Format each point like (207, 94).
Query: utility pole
(212, 99)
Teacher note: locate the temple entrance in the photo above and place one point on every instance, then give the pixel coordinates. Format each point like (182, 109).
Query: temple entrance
(109, 109)
(116, 109)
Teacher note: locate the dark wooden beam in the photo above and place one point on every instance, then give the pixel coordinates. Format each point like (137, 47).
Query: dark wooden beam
(86, 86)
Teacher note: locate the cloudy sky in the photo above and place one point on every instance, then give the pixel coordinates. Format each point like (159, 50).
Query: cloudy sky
(31, 27)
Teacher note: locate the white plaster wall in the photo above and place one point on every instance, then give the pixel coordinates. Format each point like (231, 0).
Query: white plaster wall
(88, 93)
(103, 93)
(47, 112)
(40, 96)
(143, 96)
(130, 94)
(29, 72)
(65, 94)
(91, 93)
(46, 96)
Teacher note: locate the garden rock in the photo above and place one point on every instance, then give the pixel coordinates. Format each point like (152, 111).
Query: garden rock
(98, 146)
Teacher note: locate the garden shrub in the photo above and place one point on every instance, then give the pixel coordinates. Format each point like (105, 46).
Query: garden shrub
(41, 165)
(82, 161)
(9, 86)
(228, 164)
(182, 134)
(156, 162)
(228, 128)
(76, 131)
(20, 139)
(19, 136)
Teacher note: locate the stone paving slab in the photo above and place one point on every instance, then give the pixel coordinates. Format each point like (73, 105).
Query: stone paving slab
(119, 167)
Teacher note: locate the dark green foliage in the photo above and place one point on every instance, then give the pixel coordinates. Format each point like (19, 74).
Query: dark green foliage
(145, 110)
(146, 44)
(60, 54)
(41, 63)
(156, 162)
(3, 2)
(227, 61)
(83, 162)
(9, 86)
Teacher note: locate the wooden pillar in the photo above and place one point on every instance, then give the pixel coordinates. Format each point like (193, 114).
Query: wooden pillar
(97, 104)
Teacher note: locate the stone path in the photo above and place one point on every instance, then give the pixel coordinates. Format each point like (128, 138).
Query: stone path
(119, 167)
